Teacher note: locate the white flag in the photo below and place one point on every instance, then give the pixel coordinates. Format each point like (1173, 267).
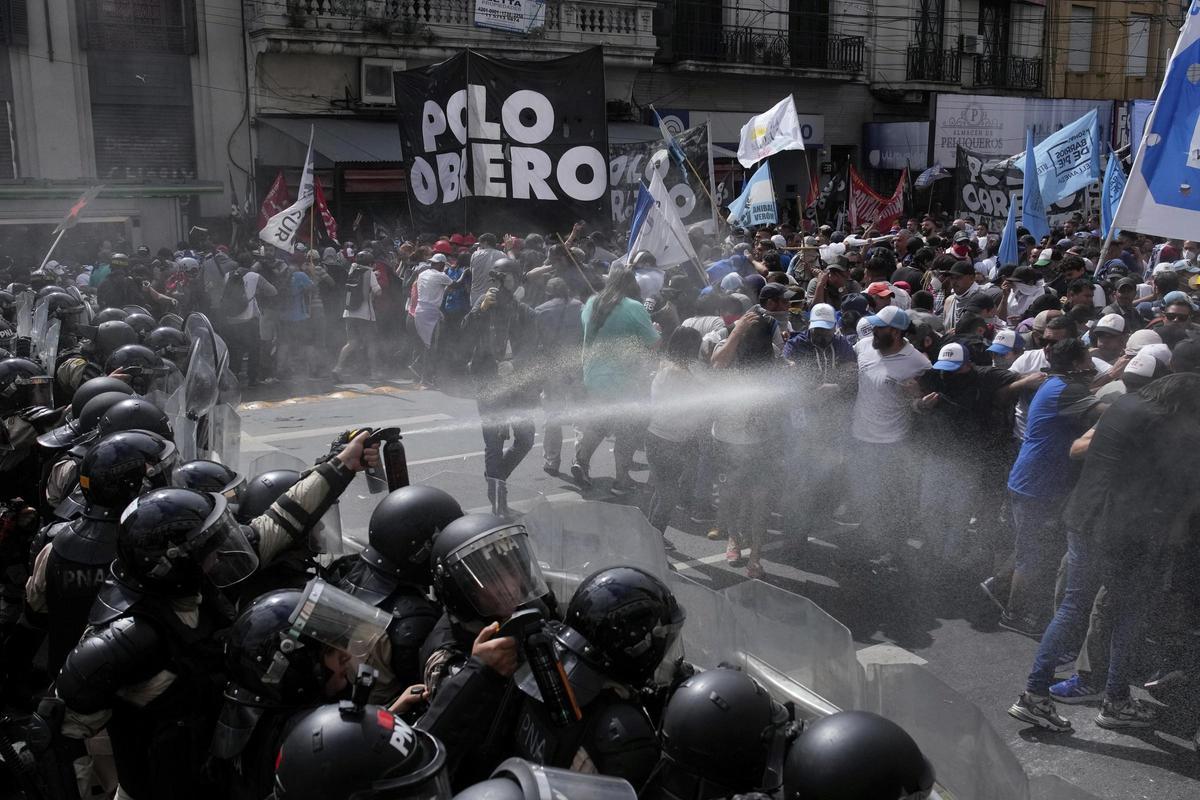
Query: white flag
(281, 229)
(771, 132)
(1162, 192)
(658, 229)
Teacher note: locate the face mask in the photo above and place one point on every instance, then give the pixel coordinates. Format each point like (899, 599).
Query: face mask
(729, 319)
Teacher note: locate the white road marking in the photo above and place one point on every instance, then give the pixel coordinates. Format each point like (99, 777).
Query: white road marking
(887, 654)
(308, 433)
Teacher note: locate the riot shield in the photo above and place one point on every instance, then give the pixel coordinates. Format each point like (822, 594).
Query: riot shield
(326, 537)
(73, 290)
(709, 636)
(25, 302)
(37, 332)
(225, 434)
(197, 397)
(1052, 787)
(47, 355)
(971, 759)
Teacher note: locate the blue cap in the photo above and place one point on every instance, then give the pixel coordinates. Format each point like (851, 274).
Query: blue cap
(890, 317)
(1176, 297)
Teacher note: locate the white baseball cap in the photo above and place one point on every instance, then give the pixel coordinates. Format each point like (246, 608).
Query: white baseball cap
(437, 258)
(1110, 323)
(1158, 351)
(1139, 339)
(1004, 342)
(950, 357)
(1142, 364)
(822, 316)
(890, 317)
(779, 240)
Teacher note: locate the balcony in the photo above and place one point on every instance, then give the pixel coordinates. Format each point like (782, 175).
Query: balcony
(624, 27)
(768, 47)
(1008, 72)
(934, 66)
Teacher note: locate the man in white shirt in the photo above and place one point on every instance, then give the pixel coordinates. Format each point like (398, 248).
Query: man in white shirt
(881, 422)
(242, 326)
(432, 284)
(362, 287)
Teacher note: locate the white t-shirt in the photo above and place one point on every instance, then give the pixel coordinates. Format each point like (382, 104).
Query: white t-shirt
(431, 288)
(883, 410)
(649, 281)
(366, 310)
(1035, 361)
(250, 279)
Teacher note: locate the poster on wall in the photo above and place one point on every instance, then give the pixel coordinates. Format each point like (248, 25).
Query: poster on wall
(987, 124)
(515, 16)
(501, 145)
(983, 184)
(896, 145)
(634, 164)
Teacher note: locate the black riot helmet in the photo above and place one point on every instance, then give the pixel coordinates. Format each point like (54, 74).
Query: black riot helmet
(856, 754)
(629, 619)
(140, 362)
(68, 308)
(172, 539)
(402, 530)
(262, 490)
(142, 323)
(121, 466)
(209, 476)
(352, 752)
(171, 320)
(484, 569)
(109, 315)
(722, 735)
(23, 384)
(169, 343)
(265, 664)
(517, 779)
(81, 424)
(134, 413)
(112, 336)
(8, 305)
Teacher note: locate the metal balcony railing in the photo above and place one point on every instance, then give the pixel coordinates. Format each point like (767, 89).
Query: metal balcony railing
(768, 47)
(1008, 72)
(939, 66)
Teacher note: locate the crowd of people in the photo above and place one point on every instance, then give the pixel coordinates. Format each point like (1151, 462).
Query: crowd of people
(1030, 423)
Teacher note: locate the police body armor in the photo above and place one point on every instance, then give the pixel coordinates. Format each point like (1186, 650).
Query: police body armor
(77, 566)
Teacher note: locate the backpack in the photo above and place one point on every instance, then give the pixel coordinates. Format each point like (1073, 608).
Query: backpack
(355, 290)
(233, 296)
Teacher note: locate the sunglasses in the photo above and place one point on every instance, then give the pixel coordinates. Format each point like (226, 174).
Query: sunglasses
(1177, 317)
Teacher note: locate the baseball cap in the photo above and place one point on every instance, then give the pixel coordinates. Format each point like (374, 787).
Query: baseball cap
(880, 289)
(962, 268)
(1139, 339)
(437, 258)
(1043, 318)
(1110, 323)
(775, 291)
(1025, 274)
(1127, 283)
(836, 265)
(1160, 269)
(855, 303)
(863, 328)
(1143, 364)
(890, 317)
(1183, 265)
(779, 240)
(822, 316)
(1158, 351)
(902, 285)
(1169, 252)
(950, 357)
(961, 236)
(1177, 297)
(1044, 257)
(1186, 356)
(1005, 342)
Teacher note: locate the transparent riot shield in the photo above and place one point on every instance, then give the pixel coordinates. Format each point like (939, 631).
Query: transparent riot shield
(225, 434)
(73, 290)
(326, 537)
(970, 757)
(25, 302)
(37, 331)
(197, 397)
(48, 353)
(709, 635)
(1052, 787)
(792, 646)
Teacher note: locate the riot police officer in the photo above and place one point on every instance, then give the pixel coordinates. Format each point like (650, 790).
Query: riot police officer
(517, 779)
(619, 625)
(287, 652)
(73, 559)
(147, 372)
(81, 363)
(393, 573)
(210, 476)
(722, 735)
(171, 344)
(26, 405)
(856, 754)
(69, 434)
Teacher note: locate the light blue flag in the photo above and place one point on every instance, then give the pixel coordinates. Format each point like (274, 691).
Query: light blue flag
(1033, 208)
(1110, 194)
(1008, 252)
(756, 204)
(1069, 159)
(1162, 196)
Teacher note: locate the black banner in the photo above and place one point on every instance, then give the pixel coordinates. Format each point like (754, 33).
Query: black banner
(632, 164)
(983, 184)
(499, 145)
(832, 198)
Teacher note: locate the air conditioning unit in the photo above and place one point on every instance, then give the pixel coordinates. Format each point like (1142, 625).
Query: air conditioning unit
(375, 81)
(970, 44)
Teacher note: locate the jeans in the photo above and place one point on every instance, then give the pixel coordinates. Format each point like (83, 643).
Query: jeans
(243, 340)
(672, 471)
(1039, 543)
(360, 335)
(1127, 582)
(744, 504)
(626, 430)
(497, 462)
(881, 489)
(558, 394)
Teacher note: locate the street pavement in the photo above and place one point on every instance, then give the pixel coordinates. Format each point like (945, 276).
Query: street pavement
(934, 615)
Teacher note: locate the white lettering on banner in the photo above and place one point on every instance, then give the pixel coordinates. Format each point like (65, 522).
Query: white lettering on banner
(527, 117)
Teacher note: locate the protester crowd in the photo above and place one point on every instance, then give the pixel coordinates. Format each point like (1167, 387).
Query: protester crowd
(1031, 424)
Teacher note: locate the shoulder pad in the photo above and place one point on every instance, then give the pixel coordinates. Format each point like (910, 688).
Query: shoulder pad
(620, 727)
(413, 618)
(112, 601)
(86, 541)
(122, 653)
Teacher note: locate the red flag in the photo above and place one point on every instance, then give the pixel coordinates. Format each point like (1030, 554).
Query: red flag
(275, 201)
(73, 213)
(322, 207)
(868, 207)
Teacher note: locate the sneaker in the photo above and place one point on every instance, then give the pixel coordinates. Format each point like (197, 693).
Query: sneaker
(1073, 690)
(623, 488)
(1128, 713)
(1024, 625)
(733, 553)
(989, 588)
(1039, 711)
(580, 474)
(715, 535)
(755, 571)
(550, 467)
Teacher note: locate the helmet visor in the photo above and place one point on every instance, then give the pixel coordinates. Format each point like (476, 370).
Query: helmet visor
(222, 550)
(498, 572)
(38, 390)
(338, 619)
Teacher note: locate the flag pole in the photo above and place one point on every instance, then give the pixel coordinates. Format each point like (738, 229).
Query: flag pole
(571, 256)
(688, 161)
(49, 252)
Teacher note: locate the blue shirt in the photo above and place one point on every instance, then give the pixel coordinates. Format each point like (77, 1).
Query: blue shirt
(297, 301)
(1056, 418)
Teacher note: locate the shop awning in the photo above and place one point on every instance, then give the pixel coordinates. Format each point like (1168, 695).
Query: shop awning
(335, 140)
